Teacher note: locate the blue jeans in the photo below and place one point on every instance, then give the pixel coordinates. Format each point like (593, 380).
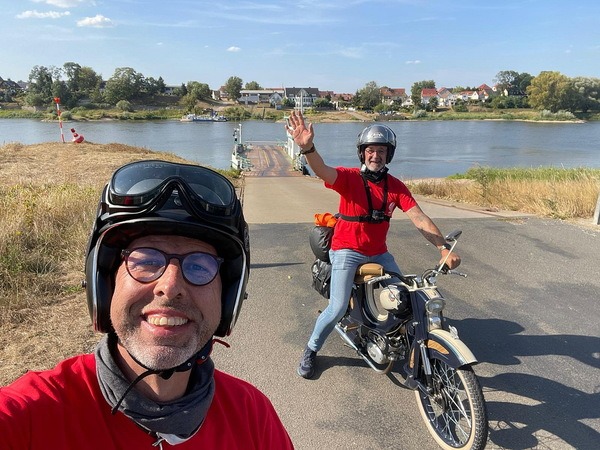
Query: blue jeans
(344, 263)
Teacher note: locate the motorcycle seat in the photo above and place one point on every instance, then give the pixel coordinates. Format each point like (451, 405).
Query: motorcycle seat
(365, 272)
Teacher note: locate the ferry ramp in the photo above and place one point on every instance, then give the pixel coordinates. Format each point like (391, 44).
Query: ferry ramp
(268, 159)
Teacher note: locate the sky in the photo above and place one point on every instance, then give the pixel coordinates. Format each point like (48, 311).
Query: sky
(332, 45)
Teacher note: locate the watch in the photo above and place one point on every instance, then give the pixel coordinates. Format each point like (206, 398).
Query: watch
(445, 246)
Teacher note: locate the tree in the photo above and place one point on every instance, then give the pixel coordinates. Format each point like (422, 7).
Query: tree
(369, 96)
(81, 82)
(417, 88)
(200, 91)
(125, 84)
(586, 92)
(253, 86)
(507, 79)
(40, 86)
(188, 102)
(233, 87)
(322, 103)
(551, 91)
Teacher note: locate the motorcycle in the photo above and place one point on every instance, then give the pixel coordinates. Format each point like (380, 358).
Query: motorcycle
(393, 317)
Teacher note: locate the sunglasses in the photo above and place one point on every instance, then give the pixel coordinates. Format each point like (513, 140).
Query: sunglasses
(147, 264)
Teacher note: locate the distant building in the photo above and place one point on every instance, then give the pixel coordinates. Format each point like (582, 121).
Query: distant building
(302, 97)
(393, 96)
(427, 94)
(255, 96)
(9, 87)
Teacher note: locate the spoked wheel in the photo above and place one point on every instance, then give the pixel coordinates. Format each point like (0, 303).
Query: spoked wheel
(454, 412)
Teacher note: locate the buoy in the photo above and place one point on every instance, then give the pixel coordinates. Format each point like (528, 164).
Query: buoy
(77, 138)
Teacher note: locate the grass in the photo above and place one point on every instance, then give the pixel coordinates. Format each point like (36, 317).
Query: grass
(48, 199)
(546, 191)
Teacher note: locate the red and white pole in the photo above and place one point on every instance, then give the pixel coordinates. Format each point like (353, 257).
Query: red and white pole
(57, 101)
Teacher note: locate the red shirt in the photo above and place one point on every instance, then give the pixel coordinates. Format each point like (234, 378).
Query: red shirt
(364, 237)
(63, 408)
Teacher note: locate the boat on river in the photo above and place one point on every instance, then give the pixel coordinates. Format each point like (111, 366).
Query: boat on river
(203, 118)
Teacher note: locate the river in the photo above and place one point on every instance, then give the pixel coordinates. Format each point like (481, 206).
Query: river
(425, 149)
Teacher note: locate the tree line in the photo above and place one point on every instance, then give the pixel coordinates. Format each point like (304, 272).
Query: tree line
(72, 83)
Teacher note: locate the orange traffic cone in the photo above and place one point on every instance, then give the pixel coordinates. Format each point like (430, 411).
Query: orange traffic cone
(77, 138)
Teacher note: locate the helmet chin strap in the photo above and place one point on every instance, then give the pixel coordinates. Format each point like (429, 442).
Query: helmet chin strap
(165, 374)
(371, 175)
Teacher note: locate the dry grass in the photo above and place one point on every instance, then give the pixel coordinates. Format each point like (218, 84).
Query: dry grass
(572, 196)
(48, 198)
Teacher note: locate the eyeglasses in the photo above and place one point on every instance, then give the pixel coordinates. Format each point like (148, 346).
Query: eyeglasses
(147, 264)
(379, 151)
(143, 185)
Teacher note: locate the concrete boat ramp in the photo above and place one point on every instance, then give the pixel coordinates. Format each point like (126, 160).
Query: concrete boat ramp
(273, 192)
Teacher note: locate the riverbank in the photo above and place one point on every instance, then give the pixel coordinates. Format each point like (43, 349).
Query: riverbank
(265, 113)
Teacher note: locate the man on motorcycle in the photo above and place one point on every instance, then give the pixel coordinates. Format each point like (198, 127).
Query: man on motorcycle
(166, 270)
(368, 197)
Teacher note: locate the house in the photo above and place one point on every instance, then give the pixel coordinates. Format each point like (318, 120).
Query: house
(9, 87)
(170, 90)
(485, 92)
(393, 96)
(446, 97)
(341, 100)
(256, 96)
(302, 97)
(466, 96)
(427, 94)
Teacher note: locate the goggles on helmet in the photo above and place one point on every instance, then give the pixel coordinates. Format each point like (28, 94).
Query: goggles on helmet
(143, 186)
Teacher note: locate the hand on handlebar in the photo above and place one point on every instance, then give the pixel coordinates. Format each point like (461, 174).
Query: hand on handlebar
(302, 135)
(452, 262)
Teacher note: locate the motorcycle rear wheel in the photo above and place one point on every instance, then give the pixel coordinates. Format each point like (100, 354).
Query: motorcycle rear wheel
(455, 412)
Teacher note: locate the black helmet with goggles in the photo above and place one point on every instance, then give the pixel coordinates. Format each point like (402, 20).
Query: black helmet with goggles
(155, 197)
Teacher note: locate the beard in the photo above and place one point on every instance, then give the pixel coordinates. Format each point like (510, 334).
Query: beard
(163, 353)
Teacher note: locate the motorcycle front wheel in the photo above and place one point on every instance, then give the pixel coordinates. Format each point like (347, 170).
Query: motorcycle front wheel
(454, 412)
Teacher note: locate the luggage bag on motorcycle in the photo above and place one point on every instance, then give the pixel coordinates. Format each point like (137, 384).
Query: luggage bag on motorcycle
(321, 277)
(320, 243)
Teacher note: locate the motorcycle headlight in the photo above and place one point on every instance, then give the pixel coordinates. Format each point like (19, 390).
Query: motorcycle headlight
(435, 305)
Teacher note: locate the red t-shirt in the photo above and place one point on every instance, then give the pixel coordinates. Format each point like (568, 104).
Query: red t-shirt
(364, 237)
(63, 408)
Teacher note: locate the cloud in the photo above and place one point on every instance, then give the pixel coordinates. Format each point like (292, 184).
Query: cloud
(42, 15)
(416, 61)
(61, 3)
(234, 49)
(98, 21)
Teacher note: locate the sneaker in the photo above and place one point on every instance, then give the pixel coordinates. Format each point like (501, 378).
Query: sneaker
(306, 369)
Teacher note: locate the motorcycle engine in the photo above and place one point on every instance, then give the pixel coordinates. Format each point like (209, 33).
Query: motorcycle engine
(377, 348)
(394, 300)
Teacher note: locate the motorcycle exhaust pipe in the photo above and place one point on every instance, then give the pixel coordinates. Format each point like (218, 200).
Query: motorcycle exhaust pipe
(351, 344)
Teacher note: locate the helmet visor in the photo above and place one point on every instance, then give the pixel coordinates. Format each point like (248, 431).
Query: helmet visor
(139, 185)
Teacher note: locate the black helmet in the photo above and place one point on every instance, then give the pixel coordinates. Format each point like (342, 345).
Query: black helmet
(376, 135)
(158, 197)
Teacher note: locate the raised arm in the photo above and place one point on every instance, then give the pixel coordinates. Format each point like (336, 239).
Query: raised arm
(303, 137)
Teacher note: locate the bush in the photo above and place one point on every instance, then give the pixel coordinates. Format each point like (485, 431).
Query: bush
(559, 115)
(124, 105)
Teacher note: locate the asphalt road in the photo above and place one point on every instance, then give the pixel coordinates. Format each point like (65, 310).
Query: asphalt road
(528, 310)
